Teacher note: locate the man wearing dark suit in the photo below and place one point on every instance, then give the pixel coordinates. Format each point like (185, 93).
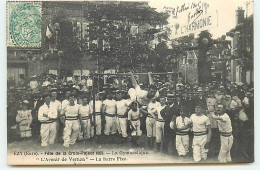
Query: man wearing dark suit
(189, 104)
(178, 102)
(169, 114)
(36, 102)
(201, 99)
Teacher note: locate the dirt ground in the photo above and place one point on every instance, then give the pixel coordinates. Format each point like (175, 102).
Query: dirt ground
(95, 153)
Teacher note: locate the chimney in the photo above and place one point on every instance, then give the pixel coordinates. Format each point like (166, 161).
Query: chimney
(240, 15)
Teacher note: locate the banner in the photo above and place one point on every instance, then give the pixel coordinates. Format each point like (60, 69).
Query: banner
(188, 17)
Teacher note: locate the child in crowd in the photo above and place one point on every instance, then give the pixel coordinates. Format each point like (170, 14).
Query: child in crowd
(24, 120)
(182, 137)
(134, 123)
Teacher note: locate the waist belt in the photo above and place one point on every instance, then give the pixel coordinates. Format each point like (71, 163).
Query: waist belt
(85, 118)
(199, 133)
(161, 120)
(181, 133)
(121, 116)
(71, 118)
(47, 122)
(110, 115)
(134, 119)
(225, 134)
(96, 113)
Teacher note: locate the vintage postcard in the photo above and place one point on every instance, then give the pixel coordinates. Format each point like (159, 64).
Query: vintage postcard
(130, 82)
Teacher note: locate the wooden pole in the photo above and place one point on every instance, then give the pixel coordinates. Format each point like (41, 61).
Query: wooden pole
(94, 105)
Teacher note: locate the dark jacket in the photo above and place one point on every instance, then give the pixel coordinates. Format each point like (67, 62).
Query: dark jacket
(189, 105)
(169, 114)
(201, 101)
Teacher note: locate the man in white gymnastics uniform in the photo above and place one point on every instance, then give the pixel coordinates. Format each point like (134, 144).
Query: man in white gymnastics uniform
(122, 109)
(84, 117)
(226, 137)
(72, 125)
(109, 109)
(202, 134)
(47, 115)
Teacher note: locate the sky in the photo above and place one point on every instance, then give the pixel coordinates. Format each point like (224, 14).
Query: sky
(226, 10)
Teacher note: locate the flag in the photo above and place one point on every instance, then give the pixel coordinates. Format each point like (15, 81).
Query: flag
(48, 33)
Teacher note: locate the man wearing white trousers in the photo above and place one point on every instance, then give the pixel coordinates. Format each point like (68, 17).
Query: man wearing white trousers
(226, 137)
(151, 122)
(202, 134)
(182, 137)
(160, 124)
(122, 110)
(98, 110)
(47, 115)
(57, 106)
(84, 117)
(109, 109)
(72, 125)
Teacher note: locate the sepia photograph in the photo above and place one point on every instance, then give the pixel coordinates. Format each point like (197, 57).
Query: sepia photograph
(130, 82)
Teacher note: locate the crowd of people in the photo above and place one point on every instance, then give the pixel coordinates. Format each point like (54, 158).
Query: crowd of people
(204, 120)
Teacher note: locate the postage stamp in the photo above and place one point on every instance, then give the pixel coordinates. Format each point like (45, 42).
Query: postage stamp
(24, 24)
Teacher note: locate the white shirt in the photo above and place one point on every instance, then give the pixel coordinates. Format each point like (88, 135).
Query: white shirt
(66, 102)
(110, 106)
(181, 122)
(200, 123)
(246, 101)
(84, 111)
(33, 84)
(153, 107)
(57, 105)
(89, 82)
(49, 110)
(121, 107)
(233, 105)
(224, 125)
(140, 95)
(133, 115)
(159, 108)
(98, 106)
(71, 111)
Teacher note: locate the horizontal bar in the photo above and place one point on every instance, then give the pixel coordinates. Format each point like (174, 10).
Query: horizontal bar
(133, 73)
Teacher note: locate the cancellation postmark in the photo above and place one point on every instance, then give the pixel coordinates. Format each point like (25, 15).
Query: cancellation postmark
(24, 24)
